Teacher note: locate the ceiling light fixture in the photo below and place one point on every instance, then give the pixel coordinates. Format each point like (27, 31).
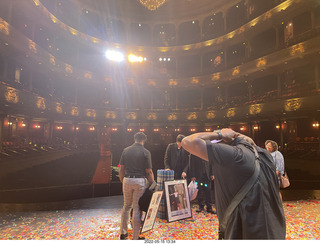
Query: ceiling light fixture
(152, 4)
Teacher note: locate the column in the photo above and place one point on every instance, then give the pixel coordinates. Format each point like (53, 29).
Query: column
(281, 135)
(2, 116)
(201, 19)
(5, 71)
(30, 85)
(201, 107)
(225, 59)
(76, 96)
(313, 19)
(27, 121)
(74, 133)
(224, 15)
(50, 132)
(278, 86)
(277, 38)
(226, 94)
(201, 63)
(251, 130)
(250, 90)
(248, 50)
(316, 76)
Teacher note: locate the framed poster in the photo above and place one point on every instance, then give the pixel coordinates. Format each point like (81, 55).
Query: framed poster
(152, 211)
(177, 199)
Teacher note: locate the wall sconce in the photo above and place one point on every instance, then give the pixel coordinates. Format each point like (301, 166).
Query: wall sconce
(141, 130)
(284, 125)
(129, 129)
(92, 128)
(315, 124)
(242, 128)
(193, 130)
(114, 129)
(59, 127)
(177, 130)
(156, 130)
(37, 126)
(255, 127)
(208, 130)
(277, 126)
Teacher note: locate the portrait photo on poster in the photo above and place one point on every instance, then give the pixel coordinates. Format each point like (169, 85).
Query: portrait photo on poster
(177, 200)
(151, 215)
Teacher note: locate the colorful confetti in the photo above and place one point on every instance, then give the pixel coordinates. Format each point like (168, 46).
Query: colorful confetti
(303, 223)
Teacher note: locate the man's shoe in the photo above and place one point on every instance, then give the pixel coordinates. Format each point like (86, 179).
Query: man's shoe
(199, 210)
(211, 211)
(123, 236)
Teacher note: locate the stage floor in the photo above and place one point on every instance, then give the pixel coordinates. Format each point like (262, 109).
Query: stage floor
(99, 219)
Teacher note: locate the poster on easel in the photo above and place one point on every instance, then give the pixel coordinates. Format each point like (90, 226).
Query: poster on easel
(152, 212)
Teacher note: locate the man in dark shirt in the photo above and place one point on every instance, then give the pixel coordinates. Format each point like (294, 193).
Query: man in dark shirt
(176, 158)
(201, 172)
(135, 167)
(260, 214)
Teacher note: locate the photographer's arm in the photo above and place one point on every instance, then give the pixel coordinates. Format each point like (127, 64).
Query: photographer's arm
(196, 145)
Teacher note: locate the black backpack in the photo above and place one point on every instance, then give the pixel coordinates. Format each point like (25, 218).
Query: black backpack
(145, 199)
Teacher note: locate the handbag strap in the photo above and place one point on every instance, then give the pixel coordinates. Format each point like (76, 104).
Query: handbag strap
(240, 195)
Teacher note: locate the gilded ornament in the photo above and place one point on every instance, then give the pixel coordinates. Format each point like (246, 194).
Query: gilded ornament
(255, 109)
(131, 115)
(4, 27)
(211, 115)
(75, 111)
(11, 95)
(152, 116)
(91, 113)
(293, 104)
(41, 104)
(192, 116)
(231, 112)
(59, 108)
(172, 116)
(110, 115)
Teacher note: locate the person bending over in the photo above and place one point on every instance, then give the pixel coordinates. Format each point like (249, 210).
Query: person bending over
(260, 214)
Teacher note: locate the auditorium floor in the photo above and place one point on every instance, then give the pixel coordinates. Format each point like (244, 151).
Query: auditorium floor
(99, 219)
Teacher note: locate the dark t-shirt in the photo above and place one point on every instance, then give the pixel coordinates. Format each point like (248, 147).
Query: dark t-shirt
(260, 214)
(136, 159)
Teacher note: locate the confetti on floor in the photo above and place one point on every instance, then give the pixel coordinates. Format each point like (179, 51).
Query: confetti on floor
(303, 223)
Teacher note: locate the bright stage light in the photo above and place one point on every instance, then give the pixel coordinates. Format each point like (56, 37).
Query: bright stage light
(114, 56)
(135, 59)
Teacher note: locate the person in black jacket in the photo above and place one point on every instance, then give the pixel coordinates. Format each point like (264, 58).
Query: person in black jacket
(176, 158)
(201, 172)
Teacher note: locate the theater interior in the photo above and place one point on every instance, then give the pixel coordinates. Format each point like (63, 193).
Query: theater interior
(79, 78)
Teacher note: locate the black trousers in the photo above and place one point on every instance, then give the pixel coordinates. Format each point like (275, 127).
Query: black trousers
(204, 193)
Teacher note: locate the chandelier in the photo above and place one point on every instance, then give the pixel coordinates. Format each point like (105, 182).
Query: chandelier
(152, 4)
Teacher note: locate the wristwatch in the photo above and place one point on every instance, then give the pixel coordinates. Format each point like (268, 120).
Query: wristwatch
(219, 134)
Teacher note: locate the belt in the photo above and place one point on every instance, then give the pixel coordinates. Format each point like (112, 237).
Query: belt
(133, 176)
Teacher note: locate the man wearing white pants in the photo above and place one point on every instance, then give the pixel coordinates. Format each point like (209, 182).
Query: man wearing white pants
(135, 168)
